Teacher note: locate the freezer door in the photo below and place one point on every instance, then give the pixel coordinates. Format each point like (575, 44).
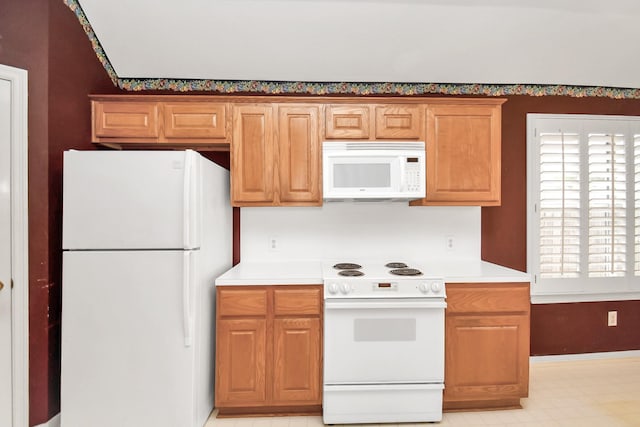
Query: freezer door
(131, 199)
(128, 347)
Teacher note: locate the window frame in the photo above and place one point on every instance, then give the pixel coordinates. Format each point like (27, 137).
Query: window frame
(583, 288)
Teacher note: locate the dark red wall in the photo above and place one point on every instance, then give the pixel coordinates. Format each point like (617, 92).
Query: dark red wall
(582, 327)
(555, 328)
(44, 38)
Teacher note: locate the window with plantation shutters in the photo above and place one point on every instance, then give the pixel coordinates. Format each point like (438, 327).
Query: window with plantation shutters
(584, 207)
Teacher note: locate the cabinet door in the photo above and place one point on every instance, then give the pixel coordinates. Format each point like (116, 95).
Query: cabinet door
(252, 155)
(299, 159)
(347, 121)
(463, 155)
(129, 120)
(297, 361)
(241, 362)
(195, 120)
(486, 358)
(398, 122)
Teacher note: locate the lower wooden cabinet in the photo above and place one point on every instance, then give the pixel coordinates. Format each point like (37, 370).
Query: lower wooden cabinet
(241, 360)
(486, 345)
(296, 360)
(269, 349)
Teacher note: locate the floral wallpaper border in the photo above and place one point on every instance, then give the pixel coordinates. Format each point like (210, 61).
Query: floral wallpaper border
(345, 88)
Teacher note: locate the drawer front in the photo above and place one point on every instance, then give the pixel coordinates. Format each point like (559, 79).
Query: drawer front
(398, 122)
(194, 120)
(298, 301)
(125, 119)
(242, 302)
(347, 122)
(487, 298)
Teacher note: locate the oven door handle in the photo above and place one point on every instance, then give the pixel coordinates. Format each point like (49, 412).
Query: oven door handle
(387, 303)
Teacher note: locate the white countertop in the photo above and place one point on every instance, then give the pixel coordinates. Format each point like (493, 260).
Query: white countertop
(310, 273)
(477, 271)
(273, 273)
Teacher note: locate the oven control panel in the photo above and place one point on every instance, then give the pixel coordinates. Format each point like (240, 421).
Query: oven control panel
(407, 288)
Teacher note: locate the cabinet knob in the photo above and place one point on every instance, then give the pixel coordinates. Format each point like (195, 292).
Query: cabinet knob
(1, 286)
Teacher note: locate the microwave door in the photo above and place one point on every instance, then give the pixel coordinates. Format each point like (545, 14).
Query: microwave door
(355, 177)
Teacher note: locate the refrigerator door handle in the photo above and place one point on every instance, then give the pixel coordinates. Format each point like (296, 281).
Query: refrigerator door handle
(186, 199)
(191, 198)
(186, 300)
(186, 202)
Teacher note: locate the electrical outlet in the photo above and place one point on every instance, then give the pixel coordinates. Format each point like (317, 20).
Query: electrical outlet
(450, 243)
(273, 244)
(612, 318)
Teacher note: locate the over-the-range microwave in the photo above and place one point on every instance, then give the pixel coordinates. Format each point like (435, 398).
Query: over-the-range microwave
(385, 170)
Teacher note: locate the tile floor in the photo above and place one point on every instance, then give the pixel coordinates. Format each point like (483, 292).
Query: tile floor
(576, 393)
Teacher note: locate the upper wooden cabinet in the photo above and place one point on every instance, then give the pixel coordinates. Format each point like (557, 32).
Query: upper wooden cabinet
(348, 121)
(276, 163)
(371, 121)
(398, 122)
(299, 154)
(159, 122)
(276, 142)
(252, 155)
(463, 155)
(121, 120)
(189, 120)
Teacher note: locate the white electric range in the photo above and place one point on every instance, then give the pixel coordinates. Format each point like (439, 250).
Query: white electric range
(383, 343)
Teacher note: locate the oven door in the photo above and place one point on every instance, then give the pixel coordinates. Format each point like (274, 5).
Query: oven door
(377, 341)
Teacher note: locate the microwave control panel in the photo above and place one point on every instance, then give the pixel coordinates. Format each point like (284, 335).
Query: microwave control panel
(412, 174)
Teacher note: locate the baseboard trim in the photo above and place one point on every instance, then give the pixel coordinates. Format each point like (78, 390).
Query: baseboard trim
(585, 356)
(53, 422)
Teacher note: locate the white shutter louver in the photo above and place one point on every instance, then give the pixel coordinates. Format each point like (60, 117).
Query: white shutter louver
(559, 205)
(607, 205)
(636, 173)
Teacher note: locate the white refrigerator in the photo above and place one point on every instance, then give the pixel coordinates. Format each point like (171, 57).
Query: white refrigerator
(145, 234)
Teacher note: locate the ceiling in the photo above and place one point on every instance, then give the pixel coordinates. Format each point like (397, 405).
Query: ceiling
(546, 42)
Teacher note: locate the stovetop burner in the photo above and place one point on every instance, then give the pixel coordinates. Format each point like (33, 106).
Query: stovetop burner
(396, 265)
(347, 266)
(350, 273)
(406, 272)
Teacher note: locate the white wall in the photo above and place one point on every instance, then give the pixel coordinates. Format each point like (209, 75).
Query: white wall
(579, 42)
(351, 230)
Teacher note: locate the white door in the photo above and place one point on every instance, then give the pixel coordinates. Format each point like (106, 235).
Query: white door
(5, 255)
